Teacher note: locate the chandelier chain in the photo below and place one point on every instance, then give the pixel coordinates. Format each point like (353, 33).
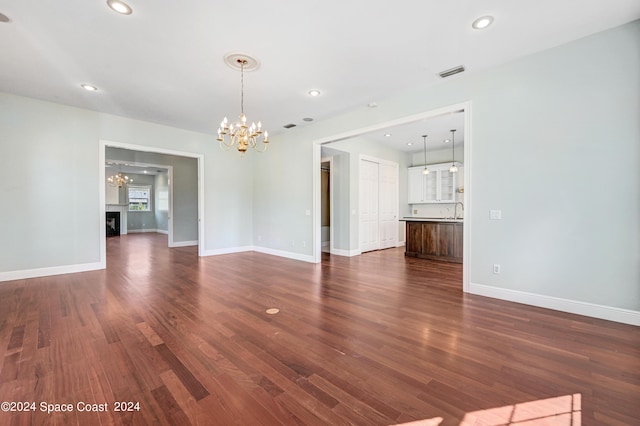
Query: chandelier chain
(242, 62)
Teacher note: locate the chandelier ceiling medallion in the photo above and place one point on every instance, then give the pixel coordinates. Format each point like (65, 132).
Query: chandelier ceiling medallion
(239, 134)
(119, 179)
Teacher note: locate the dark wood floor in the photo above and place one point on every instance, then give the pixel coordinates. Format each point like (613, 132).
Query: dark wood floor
(372, 340)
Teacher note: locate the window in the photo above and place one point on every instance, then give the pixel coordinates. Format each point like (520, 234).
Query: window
(139, 198)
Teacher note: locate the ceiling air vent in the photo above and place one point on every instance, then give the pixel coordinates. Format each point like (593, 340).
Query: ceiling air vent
(288, 126)
(452, 71)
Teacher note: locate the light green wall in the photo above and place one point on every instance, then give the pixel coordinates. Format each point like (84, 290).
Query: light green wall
(49, 167)
(555, 145)
(161, 184)
(48, 185)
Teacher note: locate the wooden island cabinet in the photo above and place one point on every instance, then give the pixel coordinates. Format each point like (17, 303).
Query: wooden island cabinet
(433, 239)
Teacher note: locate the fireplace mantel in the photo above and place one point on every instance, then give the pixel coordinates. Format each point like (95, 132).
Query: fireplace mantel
(122, 208)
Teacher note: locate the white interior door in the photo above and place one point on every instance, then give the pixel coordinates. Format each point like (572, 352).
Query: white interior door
(369, 206)
(388, 195)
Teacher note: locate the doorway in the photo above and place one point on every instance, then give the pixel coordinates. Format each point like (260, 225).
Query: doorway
(465, 108)
(184, 218)
(326, 206)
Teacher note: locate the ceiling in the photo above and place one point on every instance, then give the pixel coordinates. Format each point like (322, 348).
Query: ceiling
(113, 167)
(164, 62)
(438, 131)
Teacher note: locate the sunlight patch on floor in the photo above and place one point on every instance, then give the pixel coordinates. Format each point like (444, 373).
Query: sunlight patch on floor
(559, 411)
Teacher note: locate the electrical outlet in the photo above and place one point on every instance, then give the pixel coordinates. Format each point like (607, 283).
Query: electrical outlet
(259, 237)
(304, 244)
(496, 268)
(495, 214)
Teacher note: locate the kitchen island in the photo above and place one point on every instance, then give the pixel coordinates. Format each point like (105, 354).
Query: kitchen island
(433, 238)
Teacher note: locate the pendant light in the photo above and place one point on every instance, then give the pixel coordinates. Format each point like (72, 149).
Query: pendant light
(453, 167)
(424, 140)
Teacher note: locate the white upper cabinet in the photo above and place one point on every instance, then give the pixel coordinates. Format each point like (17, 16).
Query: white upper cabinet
(439, 186)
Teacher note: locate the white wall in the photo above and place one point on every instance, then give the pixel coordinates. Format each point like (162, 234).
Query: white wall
(555, 145)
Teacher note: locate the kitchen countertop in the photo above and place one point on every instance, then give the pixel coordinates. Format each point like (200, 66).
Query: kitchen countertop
(431, 219)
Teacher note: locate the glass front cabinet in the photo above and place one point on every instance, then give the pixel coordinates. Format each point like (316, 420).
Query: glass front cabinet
(439, 186)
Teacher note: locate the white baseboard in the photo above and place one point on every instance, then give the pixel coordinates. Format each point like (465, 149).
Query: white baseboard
(610, 313)
(230, 250)
(400, 244)
(142, 231)
(347, 253)
(183, 243)
(287, 254)
(265, 250)
(53, 270)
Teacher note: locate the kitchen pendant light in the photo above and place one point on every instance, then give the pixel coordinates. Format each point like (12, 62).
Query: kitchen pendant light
(453, 167)
(424, 140)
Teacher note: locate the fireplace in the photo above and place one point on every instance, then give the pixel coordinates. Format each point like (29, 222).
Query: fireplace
(113, 224)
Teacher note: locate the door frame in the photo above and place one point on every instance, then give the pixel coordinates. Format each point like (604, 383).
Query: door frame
(170, 176)
(468, 211)
(331, 203)
(102, 151)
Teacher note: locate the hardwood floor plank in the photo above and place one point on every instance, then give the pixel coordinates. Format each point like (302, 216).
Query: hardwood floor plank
(186, 377)
(375, 339)
(172, 410)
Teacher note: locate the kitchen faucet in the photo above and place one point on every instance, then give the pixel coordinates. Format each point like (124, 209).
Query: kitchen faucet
(455, 209)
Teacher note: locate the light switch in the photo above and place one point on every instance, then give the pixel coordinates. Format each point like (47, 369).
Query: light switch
(307, 212)
(495, 214)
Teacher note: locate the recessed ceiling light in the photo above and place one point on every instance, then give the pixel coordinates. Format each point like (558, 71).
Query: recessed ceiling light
(4, 18)
(447, 140)
(120, 7)
(372, 104)
(482, 22)
(387, 135)
(314, 93)
(409, 143)
(89, 87)
(307, 119)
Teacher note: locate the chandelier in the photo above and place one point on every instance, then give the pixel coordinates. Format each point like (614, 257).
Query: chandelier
(239, 134)
(119, 179)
